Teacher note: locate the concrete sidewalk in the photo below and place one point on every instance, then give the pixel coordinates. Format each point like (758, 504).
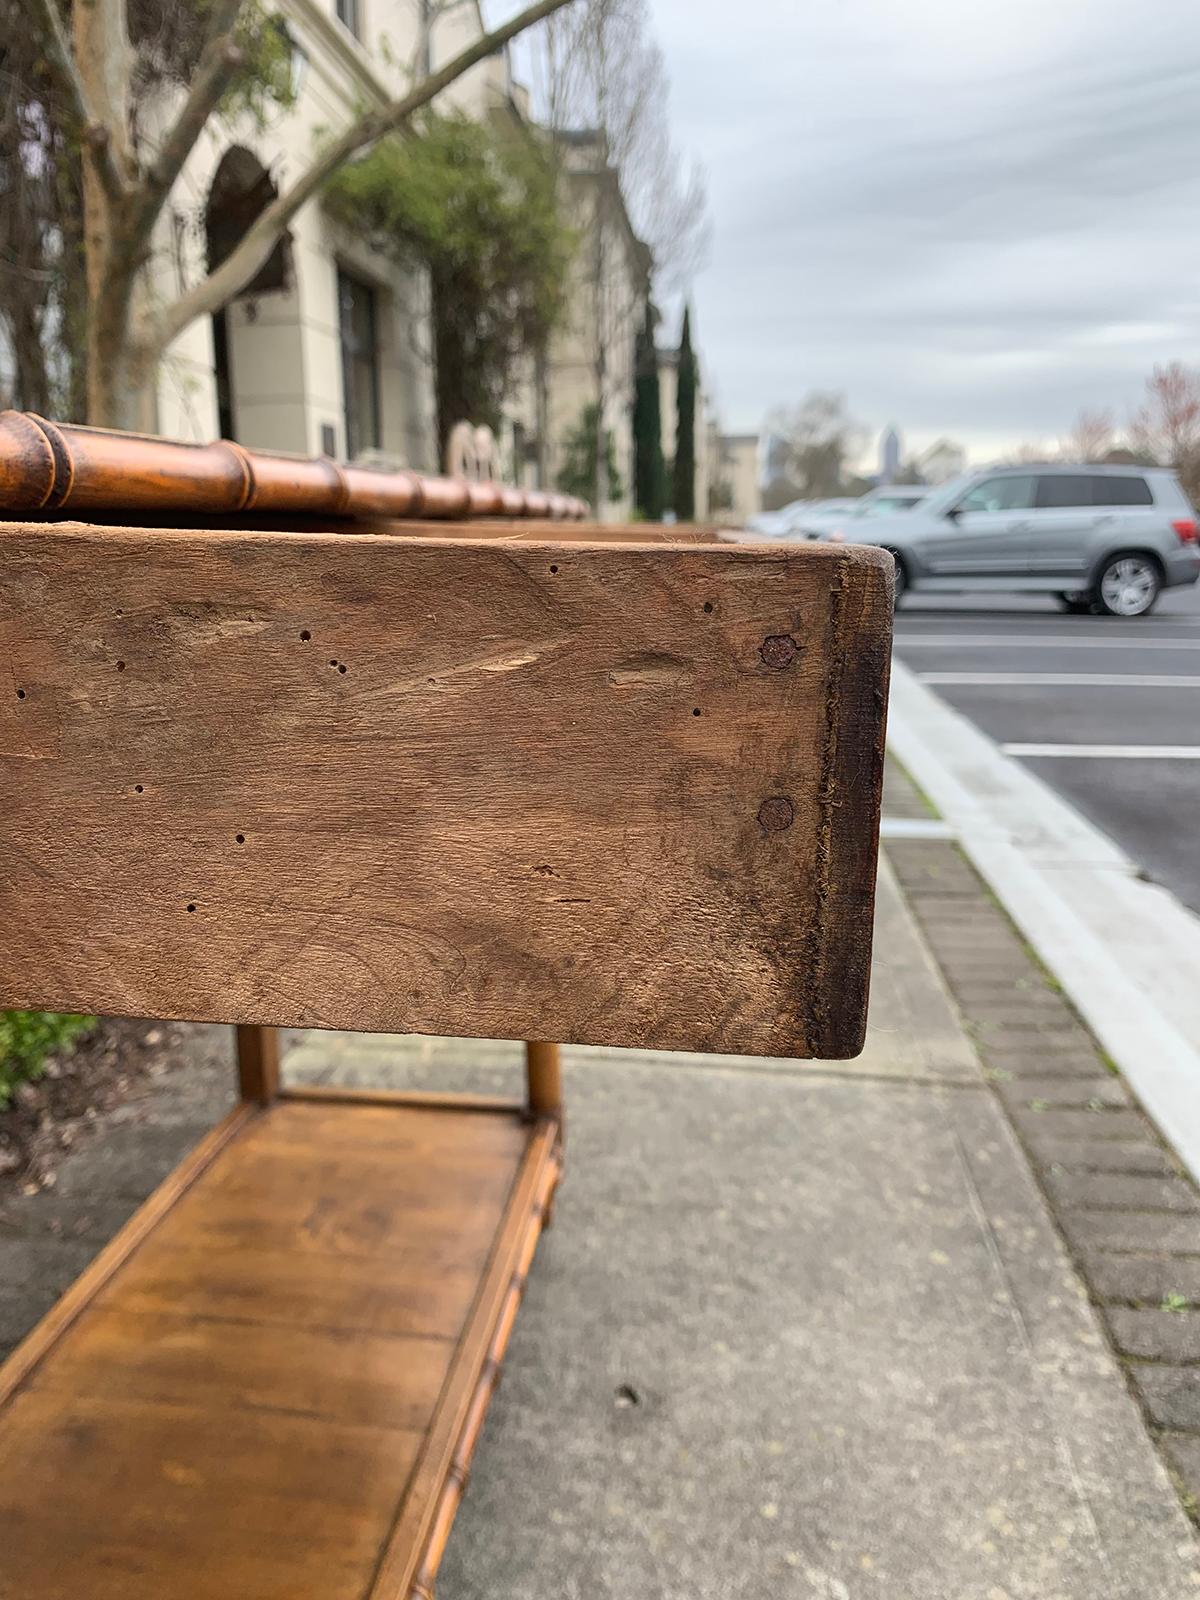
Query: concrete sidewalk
(799, 1329)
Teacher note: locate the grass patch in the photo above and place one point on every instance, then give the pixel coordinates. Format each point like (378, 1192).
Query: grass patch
(27, 1039)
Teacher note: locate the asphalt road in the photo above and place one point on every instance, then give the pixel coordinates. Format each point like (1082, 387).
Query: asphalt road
(1124, 695)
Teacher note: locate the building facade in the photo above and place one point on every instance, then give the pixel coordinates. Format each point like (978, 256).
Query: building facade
(739, 477)
(328, 351)
(589, 366)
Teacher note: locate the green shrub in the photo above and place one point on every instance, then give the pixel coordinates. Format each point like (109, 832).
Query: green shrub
(27, 1038)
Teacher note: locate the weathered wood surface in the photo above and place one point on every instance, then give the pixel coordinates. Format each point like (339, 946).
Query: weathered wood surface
(50, 466)
(287, 1413)
(608, 794)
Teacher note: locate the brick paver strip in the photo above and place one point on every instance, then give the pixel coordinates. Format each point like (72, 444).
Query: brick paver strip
(1122, 1191)
(1139, 1232)
(1103, 1123)
(1171, 1395)
(1140, 1279)
(1060, 1089)
(1130, 1217)
(1083, 1157)
(1156, 1335)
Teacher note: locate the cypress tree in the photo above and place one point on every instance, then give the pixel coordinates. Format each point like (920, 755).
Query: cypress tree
(649, 472)
(685, 431)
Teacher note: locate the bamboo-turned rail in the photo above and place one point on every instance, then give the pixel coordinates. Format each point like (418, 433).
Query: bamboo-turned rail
(60, 467)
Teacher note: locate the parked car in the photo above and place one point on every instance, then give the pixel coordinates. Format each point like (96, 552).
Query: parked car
(1103, 539)
(887, 500)
(782, 523)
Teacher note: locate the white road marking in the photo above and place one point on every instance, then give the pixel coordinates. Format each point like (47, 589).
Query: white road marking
(1022, 641)
(1072, 680)
(1108, 752)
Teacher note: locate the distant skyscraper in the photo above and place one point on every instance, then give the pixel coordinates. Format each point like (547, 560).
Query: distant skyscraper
(889, 456)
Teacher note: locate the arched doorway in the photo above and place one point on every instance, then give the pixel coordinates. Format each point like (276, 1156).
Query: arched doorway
(240, 191)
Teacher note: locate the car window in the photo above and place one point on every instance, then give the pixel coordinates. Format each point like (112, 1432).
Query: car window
(1012, 492)
(1126, 491)
(1064, 489)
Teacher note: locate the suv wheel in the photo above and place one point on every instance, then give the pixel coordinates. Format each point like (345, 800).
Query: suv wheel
(1128, 585)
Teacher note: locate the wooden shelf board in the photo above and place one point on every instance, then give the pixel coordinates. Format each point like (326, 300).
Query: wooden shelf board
(270, 1383)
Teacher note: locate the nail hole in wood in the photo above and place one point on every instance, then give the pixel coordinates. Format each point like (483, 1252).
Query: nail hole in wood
(695, 711)
(139, 788)
(708, 605)
(20, 694)
(333, 661)
(305, 634)
(120, 666)
(341, 666)
(240, 837)
(553, 569)
(191, 907)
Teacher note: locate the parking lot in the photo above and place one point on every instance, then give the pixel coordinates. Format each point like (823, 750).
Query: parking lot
(1107, 711)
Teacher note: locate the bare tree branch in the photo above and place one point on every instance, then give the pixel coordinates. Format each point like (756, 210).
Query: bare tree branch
(221, 54)
(96, 136)
(239, 267)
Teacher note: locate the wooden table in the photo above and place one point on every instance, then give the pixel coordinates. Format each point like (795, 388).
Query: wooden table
(515, 780)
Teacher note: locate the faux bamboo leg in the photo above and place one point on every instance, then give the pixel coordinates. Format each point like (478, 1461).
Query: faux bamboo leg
(544, 1077)
(258, 1063)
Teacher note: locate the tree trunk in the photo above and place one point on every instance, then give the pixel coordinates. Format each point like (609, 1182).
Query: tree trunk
(120, 377)
(542, 386)
(104, 60)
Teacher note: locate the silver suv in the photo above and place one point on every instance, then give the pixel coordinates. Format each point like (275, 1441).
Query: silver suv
(1103, 539)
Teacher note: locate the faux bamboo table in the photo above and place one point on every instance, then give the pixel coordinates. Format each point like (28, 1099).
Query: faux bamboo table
(290, 744)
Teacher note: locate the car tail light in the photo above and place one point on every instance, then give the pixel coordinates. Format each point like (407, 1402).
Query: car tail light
(1185, 528)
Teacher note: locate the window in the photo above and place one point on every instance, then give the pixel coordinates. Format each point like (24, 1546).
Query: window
(360, 364)
(350, 13)
(1064, 489)
(1127, 491)
(1010, 493)
(223, 373)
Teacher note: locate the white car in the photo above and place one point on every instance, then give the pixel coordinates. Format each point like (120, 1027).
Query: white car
(782, 524)
(888, 500)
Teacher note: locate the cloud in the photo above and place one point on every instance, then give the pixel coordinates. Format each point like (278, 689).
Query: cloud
(973, 219)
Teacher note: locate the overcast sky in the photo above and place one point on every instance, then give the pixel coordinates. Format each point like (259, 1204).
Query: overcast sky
(972, 216)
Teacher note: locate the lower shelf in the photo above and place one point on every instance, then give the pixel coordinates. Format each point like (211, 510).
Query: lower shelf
(270, 1383)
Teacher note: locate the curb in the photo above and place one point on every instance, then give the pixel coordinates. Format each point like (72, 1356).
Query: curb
(1120, 946)
(1128, 1217)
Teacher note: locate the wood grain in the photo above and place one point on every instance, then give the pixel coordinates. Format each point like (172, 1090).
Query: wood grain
(44, 1336)
(119, 1498)
(608, 794)
(257, 1421)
